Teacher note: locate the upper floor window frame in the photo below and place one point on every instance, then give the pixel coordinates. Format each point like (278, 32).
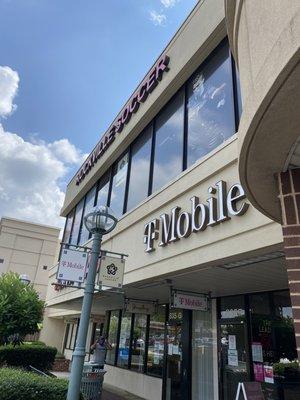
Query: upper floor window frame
(236, 110)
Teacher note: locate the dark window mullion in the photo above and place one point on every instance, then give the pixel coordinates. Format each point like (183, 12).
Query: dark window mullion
(234, 92)
(152, 158)
(146, 344)
(185, 129)
(71, 230)
(111, 174)
(127, 180)
(81, 220)
(131, 340)
(118, 337)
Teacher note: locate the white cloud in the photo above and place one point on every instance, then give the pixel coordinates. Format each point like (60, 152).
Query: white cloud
(31, 175)
(32, 172)
(9, 81)
(168, 3)
(157, 19)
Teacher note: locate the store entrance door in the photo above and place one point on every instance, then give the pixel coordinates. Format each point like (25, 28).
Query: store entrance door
(234, 357)
(177, 366)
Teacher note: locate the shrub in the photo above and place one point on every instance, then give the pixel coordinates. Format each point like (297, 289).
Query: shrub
(21, 310)
(40, 357)
(21, 385)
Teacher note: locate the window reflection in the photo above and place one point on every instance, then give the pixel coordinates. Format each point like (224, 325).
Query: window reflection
(89, 204)
(139, 170)
(138, 342)
(68, 227)
(210, 106)
(168, 142)
(118, 185)
(103, 188)
(156, 342)
(124, 343)
(112, 336)
(77, 222)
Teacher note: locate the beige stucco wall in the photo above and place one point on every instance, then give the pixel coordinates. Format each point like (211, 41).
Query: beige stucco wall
(265, 37)
(145, 386)
(222, 243)
(26, 248)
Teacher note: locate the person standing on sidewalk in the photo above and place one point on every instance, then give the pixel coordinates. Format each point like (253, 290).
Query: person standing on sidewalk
(99, 350)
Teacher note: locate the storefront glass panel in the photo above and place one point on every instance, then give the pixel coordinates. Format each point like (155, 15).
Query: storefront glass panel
(124, 342)
(211, 118)
(139, 169)
(253, 340)
(118, 185)
(202, 356)
(156, 343)
(168, 155)
(112, 336)
(139, 342)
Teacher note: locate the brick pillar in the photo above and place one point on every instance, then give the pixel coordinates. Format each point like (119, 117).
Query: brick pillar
(289, 195)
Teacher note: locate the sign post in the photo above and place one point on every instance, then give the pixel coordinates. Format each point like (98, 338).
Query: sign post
(250, 391)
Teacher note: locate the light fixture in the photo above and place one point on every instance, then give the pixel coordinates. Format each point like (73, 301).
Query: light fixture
(25, 279)
(251, 261)
(100, 220)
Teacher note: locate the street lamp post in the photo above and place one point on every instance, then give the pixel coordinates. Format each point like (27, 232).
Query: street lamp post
(25, 279)
(99, 222)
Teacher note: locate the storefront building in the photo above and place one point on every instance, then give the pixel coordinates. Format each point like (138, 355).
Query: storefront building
(206, 301)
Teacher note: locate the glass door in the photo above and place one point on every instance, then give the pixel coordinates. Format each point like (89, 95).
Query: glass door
(234, 358)
(177, 366)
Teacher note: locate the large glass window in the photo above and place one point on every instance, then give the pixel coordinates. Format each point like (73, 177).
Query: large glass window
(233, 307)
(89, 204)
(103, 188)
(168, 156)
(68, 227)
(210, 106)
(139, 170)
(77, 222)
(124, 342)
(156, 342)
(119, 177)
(202, 356)
(138, 342)
(112, 336)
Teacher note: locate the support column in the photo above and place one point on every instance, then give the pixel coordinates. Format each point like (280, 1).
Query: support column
(289, 195)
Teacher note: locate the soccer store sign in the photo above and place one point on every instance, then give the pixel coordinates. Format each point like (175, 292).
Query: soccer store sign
(218, 208)
(140, 96)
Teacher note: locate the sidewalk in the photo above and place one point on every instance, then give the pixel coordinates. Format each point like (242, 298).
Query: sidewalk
(109, 392)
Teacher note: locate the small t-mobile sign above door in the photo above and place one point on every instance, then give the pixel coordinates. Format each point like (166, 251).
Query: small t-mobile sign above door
(176, 225)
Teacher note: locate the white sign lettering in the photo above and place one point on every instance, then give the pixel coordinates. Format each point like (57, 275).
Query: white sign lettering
(189, 302)
(72, 265)
(176, 225)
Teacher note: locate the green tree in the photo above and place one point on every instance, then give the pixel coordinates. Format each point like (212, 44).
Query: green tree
(21, 310)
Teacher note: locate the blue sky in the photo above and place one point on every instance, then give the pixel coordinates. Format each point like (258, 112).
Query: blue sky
(66, 69)
(78, 61)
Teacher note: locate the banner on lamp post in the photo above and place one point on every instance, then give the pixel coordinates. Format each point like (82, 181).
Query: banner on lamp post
(111, 273)
(72, 265)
